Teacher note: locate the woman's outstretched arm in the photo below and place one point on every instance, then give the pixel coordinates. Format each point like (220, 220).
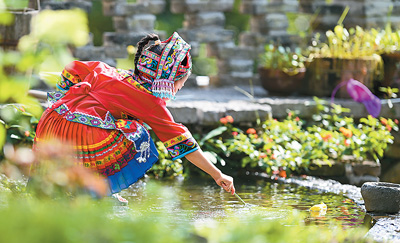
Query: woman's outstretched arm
(198, 159)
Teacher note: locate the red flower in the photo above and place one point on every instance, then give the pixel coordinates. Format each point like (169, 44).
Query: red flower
(290, 114)
(297, 119)
(384, 121)
(263, 155)
(389, 128)
(229, 119)
(396, 121)
(223, 120)
(235, 134)
(27, 133)
(251, 131)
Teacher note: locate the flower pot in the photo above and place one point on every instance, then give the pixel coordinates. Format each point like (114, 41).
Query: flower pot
(20, 27)
(277, 82)
(390, 62)
(324, 74)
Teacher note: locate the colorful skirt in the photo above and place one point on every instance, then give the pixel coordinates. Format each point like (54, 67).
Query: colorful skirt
(121, 157)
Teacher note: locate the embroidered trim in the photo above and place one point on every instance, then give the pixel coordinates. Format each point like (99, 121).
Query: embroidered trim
(129, 78)
(150, 54)
(177, 139)
(111, 136)
(165, 54)
(74, 79)
(107, 123)
(181, 149)
(53, 97)
(146, 71)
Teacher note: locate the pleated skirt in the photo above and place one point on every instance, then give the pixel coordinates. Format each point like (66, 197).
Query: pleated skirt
(107, 152)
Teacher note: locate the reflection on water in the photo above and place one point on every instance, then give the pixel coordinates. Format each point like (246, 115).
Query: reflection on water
(199, 200)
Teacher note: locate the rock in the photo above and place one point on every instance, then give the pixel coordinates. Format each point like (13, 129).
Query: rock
(381, 197)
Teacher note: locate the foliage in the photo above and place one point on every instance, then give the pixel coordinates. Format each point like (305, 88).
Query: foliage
(165, 167)
(45, 48)
(203, 65)
(28, 219)
(345, 43)
(292, 145)
(282, 58)
(98, 23)
(19, 124)
(237, 21)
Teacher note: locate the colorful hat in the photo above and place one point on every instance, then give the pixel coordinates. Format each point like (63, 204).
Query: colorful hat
(360, 93)
(161, 71)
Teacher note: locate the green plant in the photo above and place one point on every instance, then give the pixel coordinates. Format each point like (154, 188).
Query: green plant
(282, 58)
(291, 145)
(165, 167)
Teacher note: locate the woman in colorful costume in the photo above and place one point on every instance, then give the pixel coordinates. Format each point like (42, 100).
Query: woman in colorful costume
(103, 112)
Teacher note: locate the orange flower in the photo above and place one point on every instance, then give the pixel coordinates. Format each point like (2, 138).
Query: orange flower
(229, 119)
(263, 155)
(235, 134)
(251, 131)
(389, 128)
(22, 109)
(326, 137)
(282, 173)
(297, 119)
(347, 142)
(346, 132)
(384, 121)
(273, 156)
(396, 121)
(223, 120)
(268, 151)
(27, 133)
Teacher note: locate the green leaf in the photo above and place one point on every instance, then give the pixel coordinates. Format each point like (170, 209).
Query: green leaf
(2, 135)
(211, 156)
(216, 132)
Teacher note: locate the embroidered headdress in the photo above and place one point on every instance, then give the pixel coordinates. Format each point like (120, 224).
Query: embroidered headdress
(160, 71)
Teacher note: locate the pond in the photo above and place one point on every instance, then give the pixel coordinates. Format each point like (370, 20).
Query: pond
(199, 200)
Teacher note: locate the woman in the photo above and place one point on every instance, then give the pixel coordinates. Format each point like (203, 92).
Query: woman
(103, 112)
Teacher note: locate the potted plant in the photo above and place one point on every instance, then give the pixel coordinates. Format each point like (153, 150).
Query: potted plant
(281, 69)
(344, 54)
(388, 42)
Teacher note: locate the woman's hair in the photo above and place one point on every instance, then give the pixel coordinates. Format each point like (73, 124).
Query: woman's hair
(143, 43)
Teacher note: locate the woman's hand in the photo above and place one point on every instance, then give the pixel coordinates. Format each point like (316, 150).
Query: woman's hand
(226, 182)
(198, 159)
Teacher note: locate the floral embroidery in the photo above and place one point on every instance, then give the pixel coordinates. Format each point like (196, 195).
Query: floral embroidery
(181, 149)
(177, 139)
(53, 97)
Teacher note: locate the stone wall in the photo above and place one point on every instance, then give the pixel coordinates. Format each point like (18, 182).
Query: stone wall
(204, 22)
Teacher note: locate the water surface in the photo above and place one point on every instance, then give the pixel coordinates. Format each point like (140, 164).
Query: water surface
(199, 200)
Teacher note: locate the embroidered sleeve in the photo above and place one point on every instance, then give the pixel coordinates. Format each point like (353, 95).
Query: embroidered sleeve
(181, 145)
